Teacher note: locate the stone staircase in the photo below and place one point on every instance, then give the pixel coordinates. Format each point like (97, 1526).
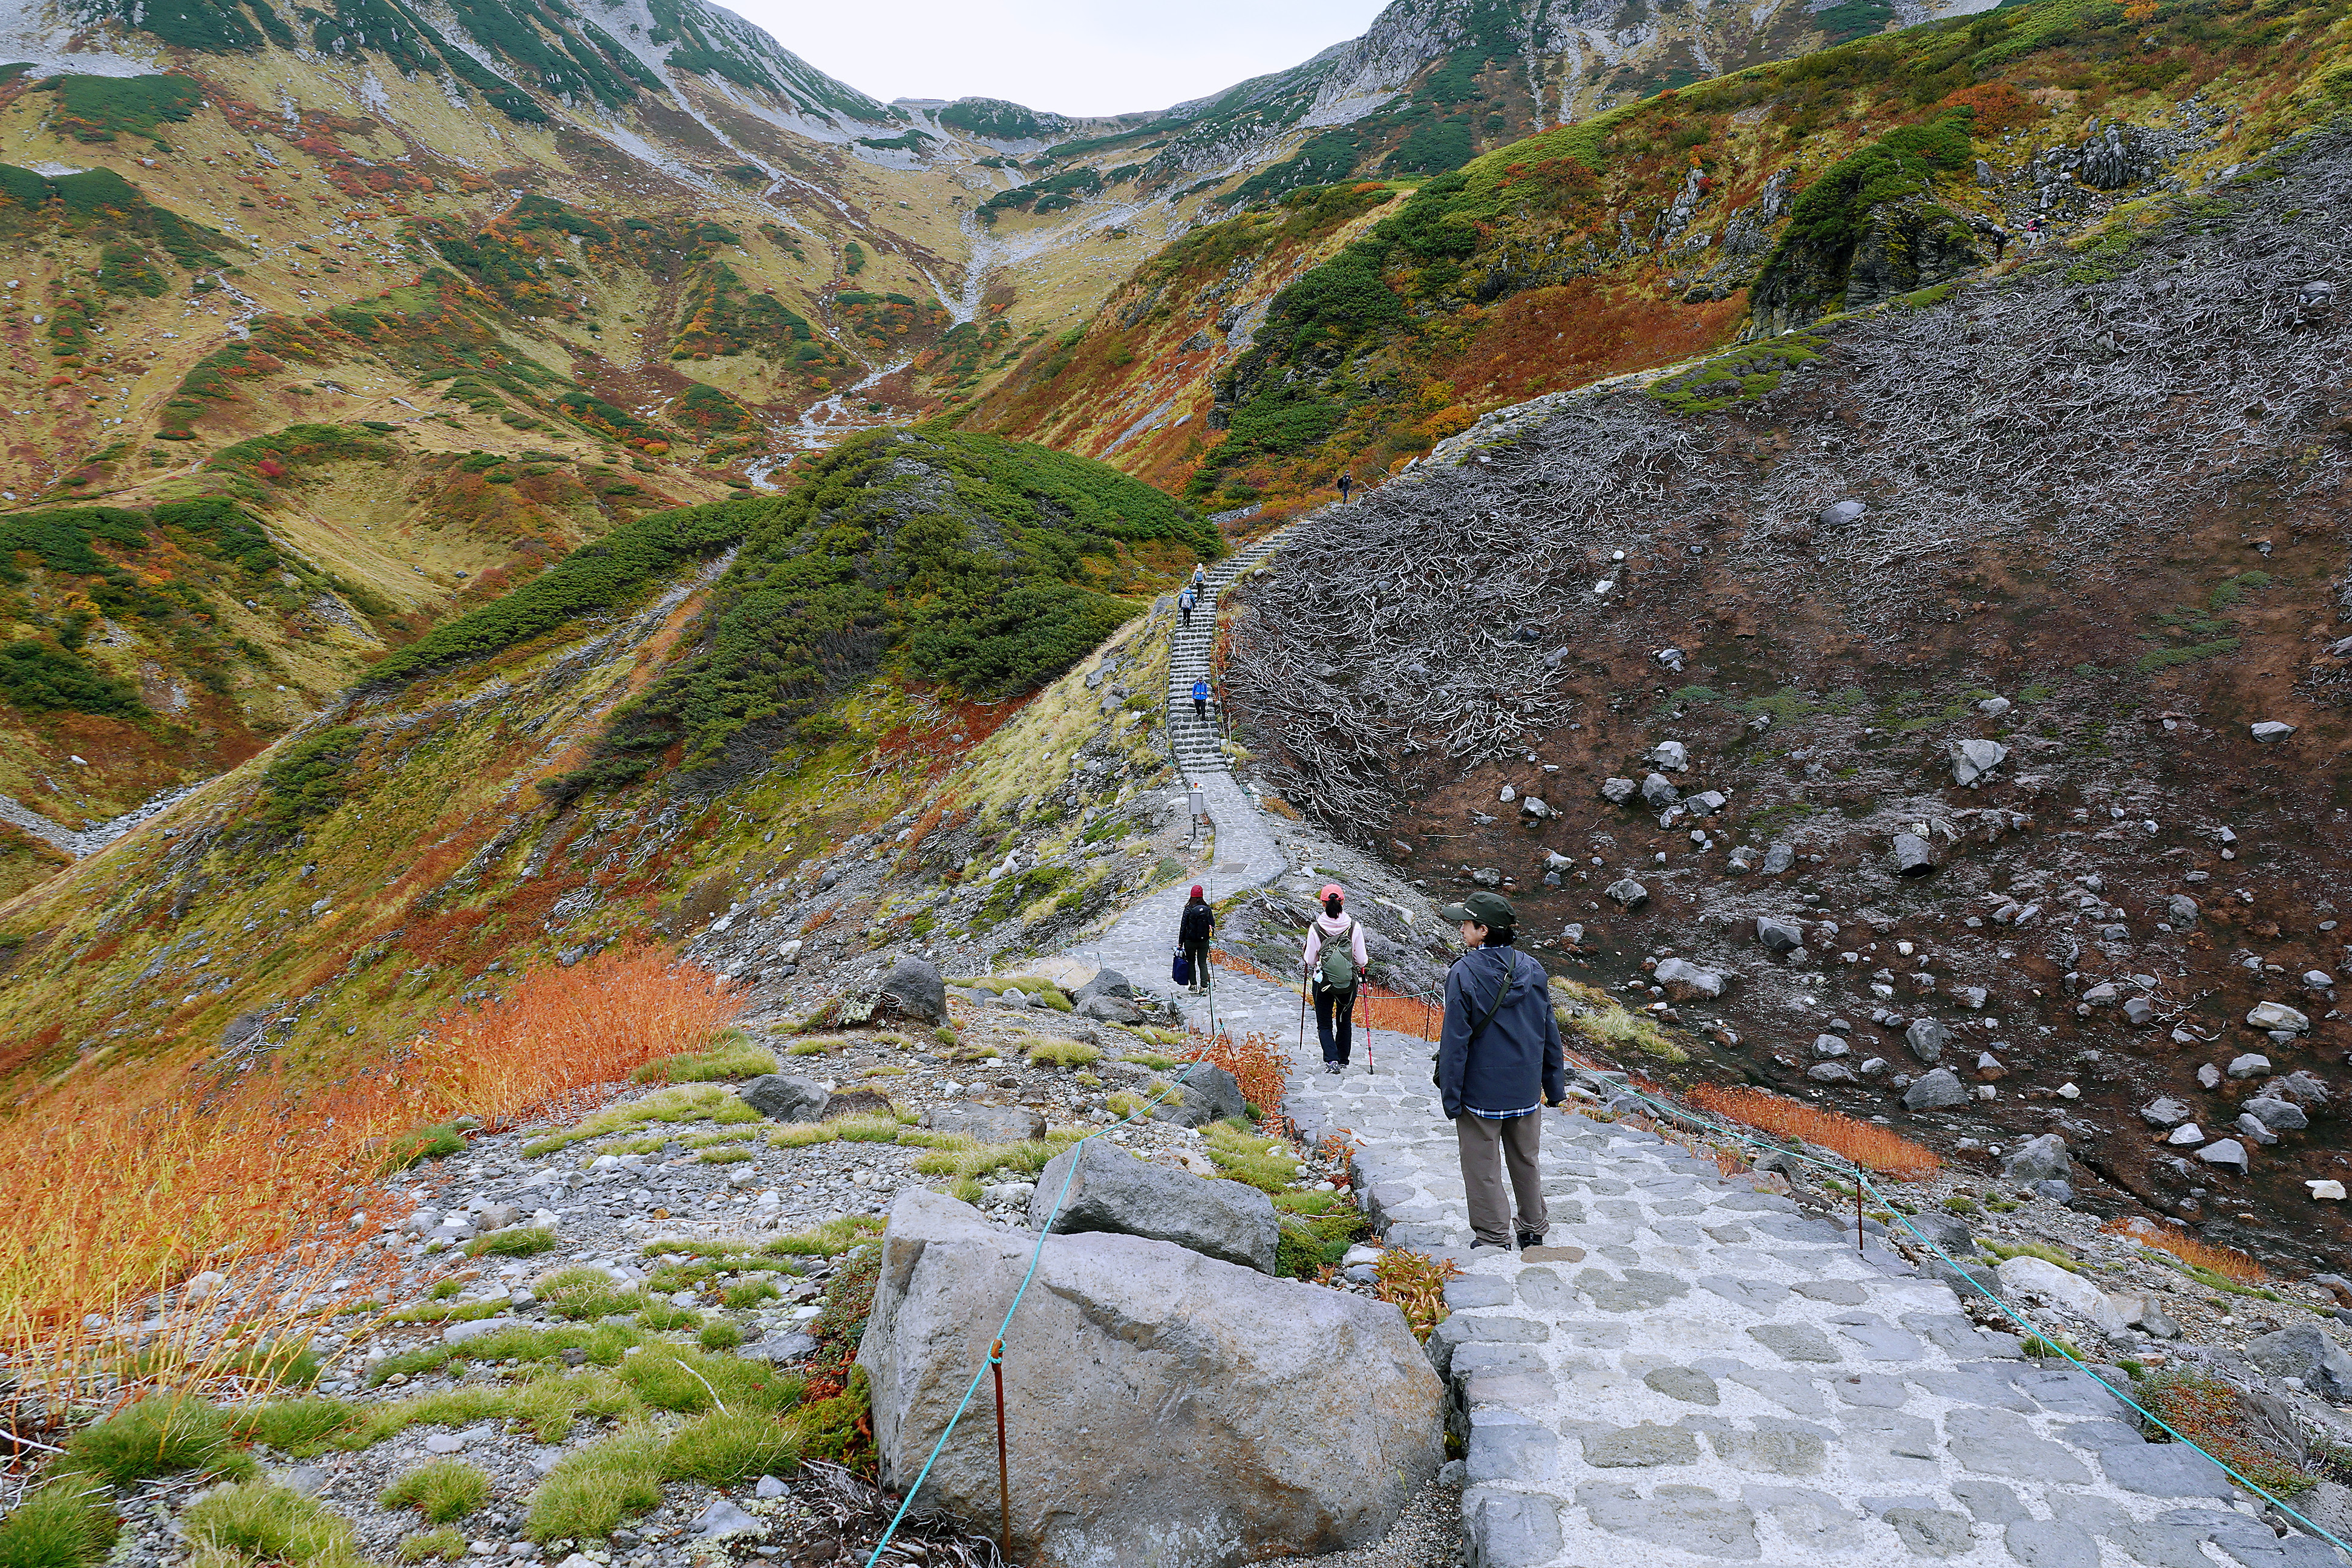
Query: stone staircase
(1196, 744)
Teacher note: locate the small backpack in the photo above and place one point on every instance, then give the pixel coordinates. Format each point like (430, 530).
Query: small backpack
(1335, 966)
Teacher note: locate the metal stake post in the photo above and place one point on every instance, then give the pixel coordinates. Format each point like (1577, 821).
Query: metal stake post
(1004, 1485)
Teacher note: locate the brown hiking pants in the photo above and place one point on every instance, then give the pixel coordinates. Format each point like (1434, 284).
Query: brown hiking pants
(1486, 1147)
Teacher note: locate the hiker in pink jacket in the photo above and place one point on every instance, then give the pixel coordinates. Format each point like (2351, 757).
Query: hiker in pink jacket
(1334, 962)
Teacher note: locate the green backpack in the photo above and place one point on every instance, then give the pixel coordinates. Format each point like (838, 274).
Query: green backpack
(1336, 968)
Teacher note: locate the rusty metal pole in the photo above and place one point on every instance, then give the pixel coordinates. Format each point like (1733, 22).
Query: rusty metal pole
(1857, 1212)
(1004, 1485)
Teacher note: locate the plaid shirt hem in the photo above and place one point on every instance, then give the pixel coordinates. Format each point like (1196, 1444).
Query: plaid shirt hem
(1500, 1115)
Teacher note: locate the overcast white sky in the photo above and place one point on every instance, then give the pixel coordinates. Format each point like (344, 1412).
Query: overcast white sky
(1074, 56)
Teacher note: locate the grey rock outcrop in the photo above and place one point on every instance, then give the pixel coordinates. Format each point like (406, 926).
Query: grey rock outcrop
(1926, 1039)
(2308, 1354)
(1913, 856)
(1937, 1090)
(1686, 981)
(1207, 1093)
(787, 1096)
(1112, 1191)
(1779, 935)
(2041, 1159)
(1211, 1407)
(914, 989)
(1626, 893)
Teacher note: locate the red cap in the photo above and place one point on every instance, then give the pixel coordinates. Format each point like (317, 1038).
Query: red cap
(1196, 890)
(1331, 890)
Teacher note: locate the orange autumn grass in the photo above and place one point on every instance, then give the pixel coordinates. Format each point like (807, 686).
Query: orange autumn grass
(2229, 1264)
(120, 1182)
(1864, 1143)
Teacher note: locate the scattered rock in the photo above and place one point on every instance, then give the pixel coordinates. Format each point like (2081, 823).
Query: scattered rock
(1975, 757)
(1209, 1093)
(2229, 1154)
(1670, 754)
(1658, 792)
(1779, 935)
(2040, 1278)
(2041, 1159)
(1938, 1090)
(2326, 1191)
(2249, 1065)
(1626, 893)
(724, 1518)
(2274, 1015)
(1926, 1039)
(1618, 792)
(2271, 730)
(2308, 1354)
(2181, 910)
(1686, 981)
(1132, 1330)
(914, 989)
(2278, 1115)
(1112, 1191)
(2166, 1113)
(986, 1123)
(787, 1096)
(1839, 514)
(1911, 856)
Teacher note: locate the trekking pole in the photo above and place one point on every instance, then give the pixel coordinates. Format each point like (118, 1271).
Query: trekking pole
(1302, 1020)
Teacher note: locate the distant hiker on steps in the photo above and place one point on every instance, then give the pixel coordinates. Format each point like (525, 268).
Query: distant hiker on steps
(1192, 934)
(1199, 581)
(1185, 601)
(1346, 482)
(1499, 1062)
(1200, 700)
(1334, 962)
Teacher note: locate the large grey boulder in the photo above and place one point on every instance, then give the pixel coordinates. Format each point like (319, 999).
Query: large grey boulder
(787, 1096)
(2041, 1159)
(1686, 981)
(914, 989)
(1112, 1191)
(2278, 1115)
(1938, 1090)
(1165, 1408)
(1659, 792)
(1780, 935)
(1206, 1094)
(1108, 997)
(2308, 1354)
(1926, 1039)
(986, 1123)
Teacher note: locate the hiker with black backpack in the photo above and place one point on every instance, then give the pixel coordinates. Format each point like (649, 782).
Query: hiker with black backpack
(1498, 1063)
(1334, 962)
(1193, 933)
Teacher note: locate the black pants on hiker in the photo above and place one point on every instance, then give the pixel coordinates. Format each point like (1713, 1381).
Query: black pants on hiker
(1200, 957)
(1200, 708)
(1335, 1022)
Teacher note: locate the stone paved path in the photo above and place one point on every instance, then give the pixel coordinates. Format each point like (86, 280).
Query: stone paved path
(1702, 1373)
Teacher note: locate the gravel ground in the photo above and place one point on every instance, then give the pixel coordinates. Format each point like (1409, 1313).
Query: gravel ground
(1428, 1534)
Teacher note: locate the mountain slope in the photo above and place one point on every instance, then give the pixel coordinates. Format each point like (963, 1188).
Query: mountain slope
(1663, 229)
(1980, 606)
(702, 703)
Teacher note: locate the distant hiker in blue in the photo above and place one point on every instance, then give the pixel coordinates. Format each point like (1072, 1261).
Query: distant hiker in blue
(1200, 700)
(1185, 601)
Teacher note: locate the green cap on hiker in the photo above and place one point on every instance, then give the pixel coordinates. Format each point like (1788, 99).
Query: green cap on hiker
(1482, 908)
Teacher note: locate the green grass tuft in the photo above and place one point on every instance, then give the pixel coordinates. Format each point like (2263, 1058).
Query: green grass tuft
(160, 1434)
(443, 1545)
(727, 1447)
(254, 1522)
(66, 1524)
(444, 1491)
(592, 1490)
(521, 1242)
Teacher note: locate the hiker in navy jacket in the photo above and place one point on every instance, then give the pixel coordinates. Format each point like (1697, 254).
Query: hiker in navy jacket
(1498, 1062)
